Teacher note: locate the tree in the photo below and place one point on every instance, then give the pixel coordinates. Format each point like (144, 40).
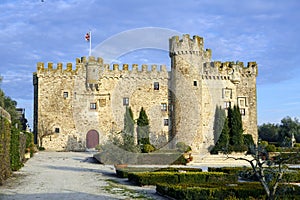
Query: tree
(128, 131)
(236, 127)
(223, 141)
(143, 128)
(288, 127)
(268, 171)
(268, 132)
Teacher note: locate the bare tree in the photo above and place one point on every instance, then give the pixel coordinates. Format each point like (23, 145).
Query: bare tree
(268, 170)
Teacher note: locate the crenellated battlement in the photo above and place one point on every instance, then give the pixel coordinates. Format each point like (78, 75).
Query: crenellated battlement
(41, 69)
(229, 68)
(187, 45)
(141, 72)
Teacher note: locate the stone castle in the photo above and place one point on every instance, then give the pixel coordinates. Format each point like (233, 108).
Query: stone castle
(76, 109)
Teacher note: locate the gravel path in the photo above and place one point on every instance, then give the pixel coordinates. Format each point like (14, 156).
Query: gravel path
(69, 175)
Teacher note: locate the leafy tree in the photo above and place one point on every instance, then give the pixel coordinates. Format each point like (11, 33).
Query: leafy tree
(268, 132)
(288, 127)
(143, 128)
(223, 141)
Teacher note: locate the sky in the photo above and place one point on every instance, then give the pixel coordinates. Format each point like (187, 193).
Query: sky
(267, 32)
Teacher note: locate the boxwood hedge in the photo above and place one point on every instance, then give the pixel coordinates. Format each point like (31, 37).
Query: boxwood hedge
(250, 190)
(152, 178)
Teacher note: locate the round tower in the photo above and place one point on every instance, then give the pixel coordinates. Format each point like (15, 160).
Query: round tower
(187, 60)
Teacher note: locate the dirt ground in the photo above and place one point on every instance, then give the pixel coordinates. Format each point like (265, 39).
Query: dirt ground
(70, 175)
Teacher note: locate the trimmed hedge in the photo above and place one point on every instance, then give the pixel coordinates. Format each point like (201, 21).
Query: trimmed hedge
(152, 178)
(15, 156)
(223, 191)
(123, 172)
(227, 170)
(293, 175)
(5, 170)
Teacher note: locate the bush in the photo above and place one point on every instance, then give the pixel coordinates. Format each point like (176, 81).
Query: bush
(212, 191)
(152, 178)
(123, 172)
(147, 148)
(297, 145)
(271, 148)
(224, 191)
(15, 157)
(182, 147)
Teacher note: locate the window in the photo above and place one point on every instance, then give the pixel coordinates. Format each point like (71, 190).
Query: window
(243, 111)
(125, 101)
(56, 130)
(227, 104)
(156, 85)
(93, 106)
(195, 83)
(227, 93)
(66, 95)
(163, 107)
(102, 102)
(242, 102)
(166, 122)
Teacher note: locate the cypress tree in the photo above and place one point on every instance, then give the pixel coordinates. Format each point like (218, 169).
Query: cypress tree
(143, 128)
(223, 141)
(236, 127)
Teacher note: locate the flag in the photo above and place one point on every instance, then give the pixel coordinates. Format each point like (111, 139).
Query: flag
(87, 37)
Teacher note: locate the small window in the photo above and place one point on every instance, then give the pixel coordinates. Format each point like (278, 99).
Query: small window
(227, 93)
(56, 130)
(227, 104)
(156, 85)
(93, 106)
(243, 111)
(125, 101)
(164, 107)
(166, 122)
(242, 102)
(66, 95)
(195, 83)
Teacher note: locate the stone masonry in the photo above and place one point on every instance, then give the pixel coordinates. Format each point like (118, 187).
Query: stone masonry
(78, 108)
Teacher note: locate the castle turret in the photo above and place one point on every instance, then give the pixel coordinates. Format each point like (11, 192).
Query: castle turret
(187, 58)
(92, 72)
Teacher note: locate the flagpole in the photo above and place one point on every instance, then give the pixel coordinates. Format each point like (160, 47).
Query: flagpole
(90, 52)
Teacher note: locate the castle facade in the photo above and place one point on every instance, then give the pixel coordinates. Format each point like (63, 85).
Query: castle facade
(76, 109)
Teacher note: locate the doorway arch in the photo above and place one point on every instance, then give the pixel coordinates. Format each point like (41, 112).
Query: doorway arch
(92, 139)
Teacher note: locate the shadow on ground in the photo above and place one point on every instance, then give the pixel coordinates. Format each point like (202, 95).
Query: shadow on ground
(67, 195)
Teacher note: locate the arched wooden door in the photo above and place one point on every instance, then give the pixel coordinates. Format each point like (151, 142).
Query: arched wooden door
(92, 139)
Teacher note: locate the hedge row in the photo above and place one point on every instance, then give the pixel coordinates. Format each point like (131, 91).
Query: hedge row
(123, 172)
(293, 175)
(5, 169)
(152, 178)
(227, 170)
(230, 191)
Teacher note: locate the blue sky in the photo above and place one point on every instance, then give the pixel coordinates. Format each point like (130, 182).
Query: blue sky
(53, 31)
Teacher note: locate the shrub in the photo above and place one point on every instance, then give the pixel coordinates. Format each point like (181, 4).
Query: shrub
(297, 145)
(147, 148)
(182, 147)
(152, 178)
(271, 148)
